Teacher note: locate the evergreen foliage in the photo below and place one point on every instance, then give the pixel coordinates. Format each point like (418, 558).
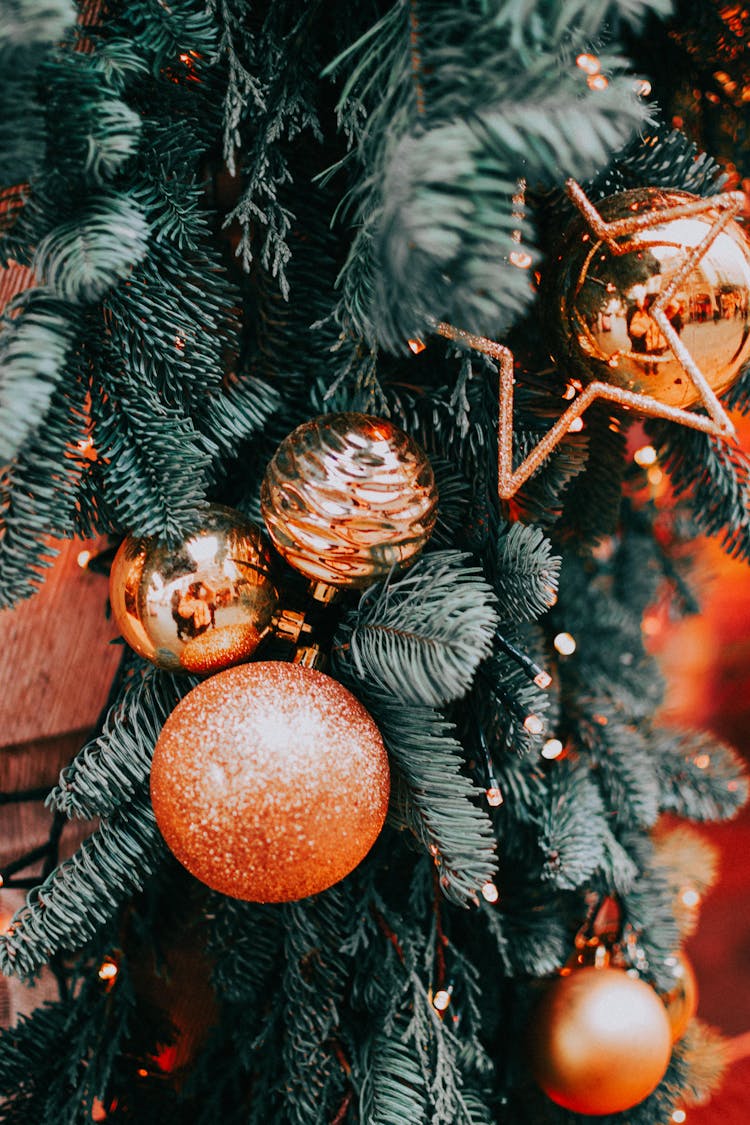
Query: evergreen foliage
(237, 217)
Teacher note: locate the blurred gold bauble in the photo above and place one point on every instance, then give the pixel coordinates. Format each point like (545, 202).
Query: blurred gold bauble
(346, 497)
(200, 606)
(602, 300)
(600, 1041)
(270, 782)
(681, 1002)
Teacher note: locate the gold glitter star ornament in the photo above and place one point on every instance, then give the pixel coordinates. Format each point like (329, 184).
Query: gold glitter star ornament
(270, 782)
(649, 305)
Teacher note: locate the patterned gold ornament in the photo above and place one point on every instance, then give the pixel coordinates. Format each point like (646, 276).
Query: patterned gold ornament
(200, 606)
(693, 264)
(681, 1002)
(346, 497)
(600, 1041)
(270, 782)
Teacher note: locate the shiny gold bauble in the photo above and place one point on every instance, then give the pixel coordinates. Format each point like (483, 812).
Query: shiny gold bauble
(681, 1002)
(200, 606)
(270, 782)
(346, 497)
(601, 301)
(600, 1041)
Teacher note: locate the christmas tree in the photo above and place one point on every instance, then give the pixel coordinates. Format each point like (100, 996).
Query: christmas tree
(370, 335)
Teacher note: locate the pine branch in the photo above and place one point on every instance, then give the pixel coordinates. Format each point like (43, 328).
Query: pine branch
(393, 1088)
(314, 982)
(438, 801)
(33, 353)
(28, 21)
(700, 777)
(526, 572)
(110, 769)
(422, 637)
(83, 258)
(85, 893)
(574, 836)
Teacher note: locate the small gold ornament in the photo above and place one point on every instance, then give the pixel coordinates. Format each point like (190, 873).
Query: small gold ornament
(600, 1041)
(681, 1002)
(347, 497)
(270, 782)
(200, 606)
(691, 240)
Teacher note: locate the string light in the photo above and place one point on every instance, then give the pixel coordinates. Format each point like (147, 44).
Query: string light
(565, 644)
(702, 761)
(442, 998)
(494, 796)
(679, 1116)
(645, 456)
(597, 82)
(552, 749)
(642, 88)
(589, 64)
(690, 897)
(83, 559)
(520, 259)
(533, 724)
(142, 1072)
(655, 475)
(490, 893)
(417, 346)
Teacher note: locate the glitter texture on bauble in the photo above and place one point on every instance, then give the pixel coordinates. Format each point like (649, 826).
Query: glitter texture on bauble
(270, 782)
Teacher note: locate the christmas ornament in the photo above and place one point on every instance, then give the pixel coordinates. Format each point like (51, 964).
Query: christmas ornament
(666, 297)
(200, 606)
(679, 267)
(600, 1041)
(346, 497)
(681, 1002)
(270, 782)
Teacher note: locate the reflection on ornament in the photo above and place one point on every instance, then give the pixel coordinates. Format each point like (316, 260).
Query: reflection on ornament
(270, 782)
(200, 606)
(600, 1041)
(708, 245)
(641, 308)
(347, 497)
(681, 1002)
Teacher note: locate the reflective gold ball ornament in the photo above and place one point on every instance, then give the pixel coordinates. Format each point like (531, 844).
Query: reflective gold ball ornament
(602, 300)
(346, 497)
(270, 782)
(600, 1041)
(202, 605)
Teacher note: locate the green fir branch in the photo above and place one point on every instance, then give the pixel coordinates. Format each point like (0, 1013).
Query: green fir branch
(83, 258)
(34, 348)
(110, 769)
(84, 894)
(423, 636)
(438, 802)
(525, 574)
(700, 777)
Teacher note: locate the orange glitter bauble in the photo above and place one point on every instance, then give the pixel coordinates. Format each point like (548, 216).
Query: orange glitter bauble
(600, 1041)
(270, 782)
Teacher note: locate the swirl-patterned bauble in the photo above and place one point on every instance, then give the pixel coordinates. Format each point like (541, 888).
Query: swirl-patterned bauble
(348, 497)
(201, 605)
(270, 782)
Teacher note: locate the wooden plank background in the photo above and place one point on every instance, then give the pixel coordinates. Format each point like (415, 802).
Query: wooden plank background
(56, 669)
